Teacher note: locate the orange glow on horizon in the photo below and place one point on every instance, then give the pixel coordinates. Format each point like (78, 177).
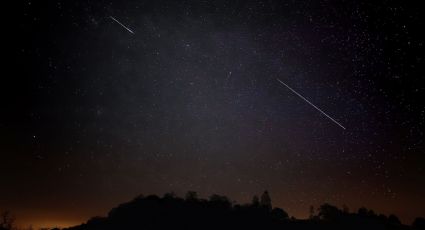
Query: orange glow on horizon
(48, 223)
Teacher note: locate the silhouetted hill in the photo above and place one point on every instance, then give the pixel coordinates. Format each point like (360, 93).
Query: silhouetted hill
(171, 212)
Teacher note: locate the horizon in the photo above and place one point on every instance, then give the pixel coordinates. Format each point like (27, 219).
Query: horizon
(317, 101)
(299, 216)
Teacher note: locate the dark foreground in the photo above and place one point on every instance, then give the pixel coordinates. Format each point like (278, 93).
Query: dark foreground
(170, 212)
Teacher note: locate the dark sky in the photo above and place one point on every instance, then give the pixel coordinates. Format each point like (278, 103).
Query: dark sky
(93, 115)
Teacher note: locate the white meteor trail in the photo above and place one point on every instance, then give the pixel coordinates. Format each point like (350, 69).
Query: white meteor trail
(128, 29)
(299, 95)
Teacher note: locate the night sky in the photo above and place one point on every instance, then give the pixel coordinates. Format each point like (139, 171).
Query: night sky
(93, 115)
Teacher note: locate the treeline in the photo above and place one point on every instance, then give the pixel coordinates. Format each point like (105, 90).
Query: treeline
(218, 212)
(362, 219)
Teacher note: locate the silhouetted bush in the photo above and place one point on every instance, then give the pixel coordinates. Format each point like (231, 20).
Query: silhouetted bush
(419, 223)
(392, 219)
(328, 212)
(279, 214)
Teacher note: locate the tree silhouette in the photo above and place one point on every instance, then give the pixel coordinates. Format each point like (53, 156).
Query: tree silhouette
(419, 223)
(191, 196)
(392, 219)
(371, 213)
(169, 195)
(362, 211)
(266, 201)
(279, 214)
(255, 201)
(311, 212)
(329, 212)
(345, 209)
(220, 201)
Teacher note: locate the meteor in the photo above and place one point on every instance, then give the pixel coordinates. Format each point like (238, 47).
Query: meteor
(125, 27)
(299, 95)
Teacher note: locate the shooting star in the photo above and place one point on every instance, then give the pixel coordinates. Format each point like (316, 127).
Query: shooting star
(299, 95)
(128, 29)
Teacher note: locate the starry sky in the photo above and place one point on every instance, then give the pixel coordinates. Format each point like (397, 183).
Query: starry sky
(93, 115)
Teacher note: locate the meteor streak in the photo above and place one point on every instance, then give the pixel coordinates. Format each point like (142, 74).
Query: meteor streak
(128, 29)
(299, 95)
